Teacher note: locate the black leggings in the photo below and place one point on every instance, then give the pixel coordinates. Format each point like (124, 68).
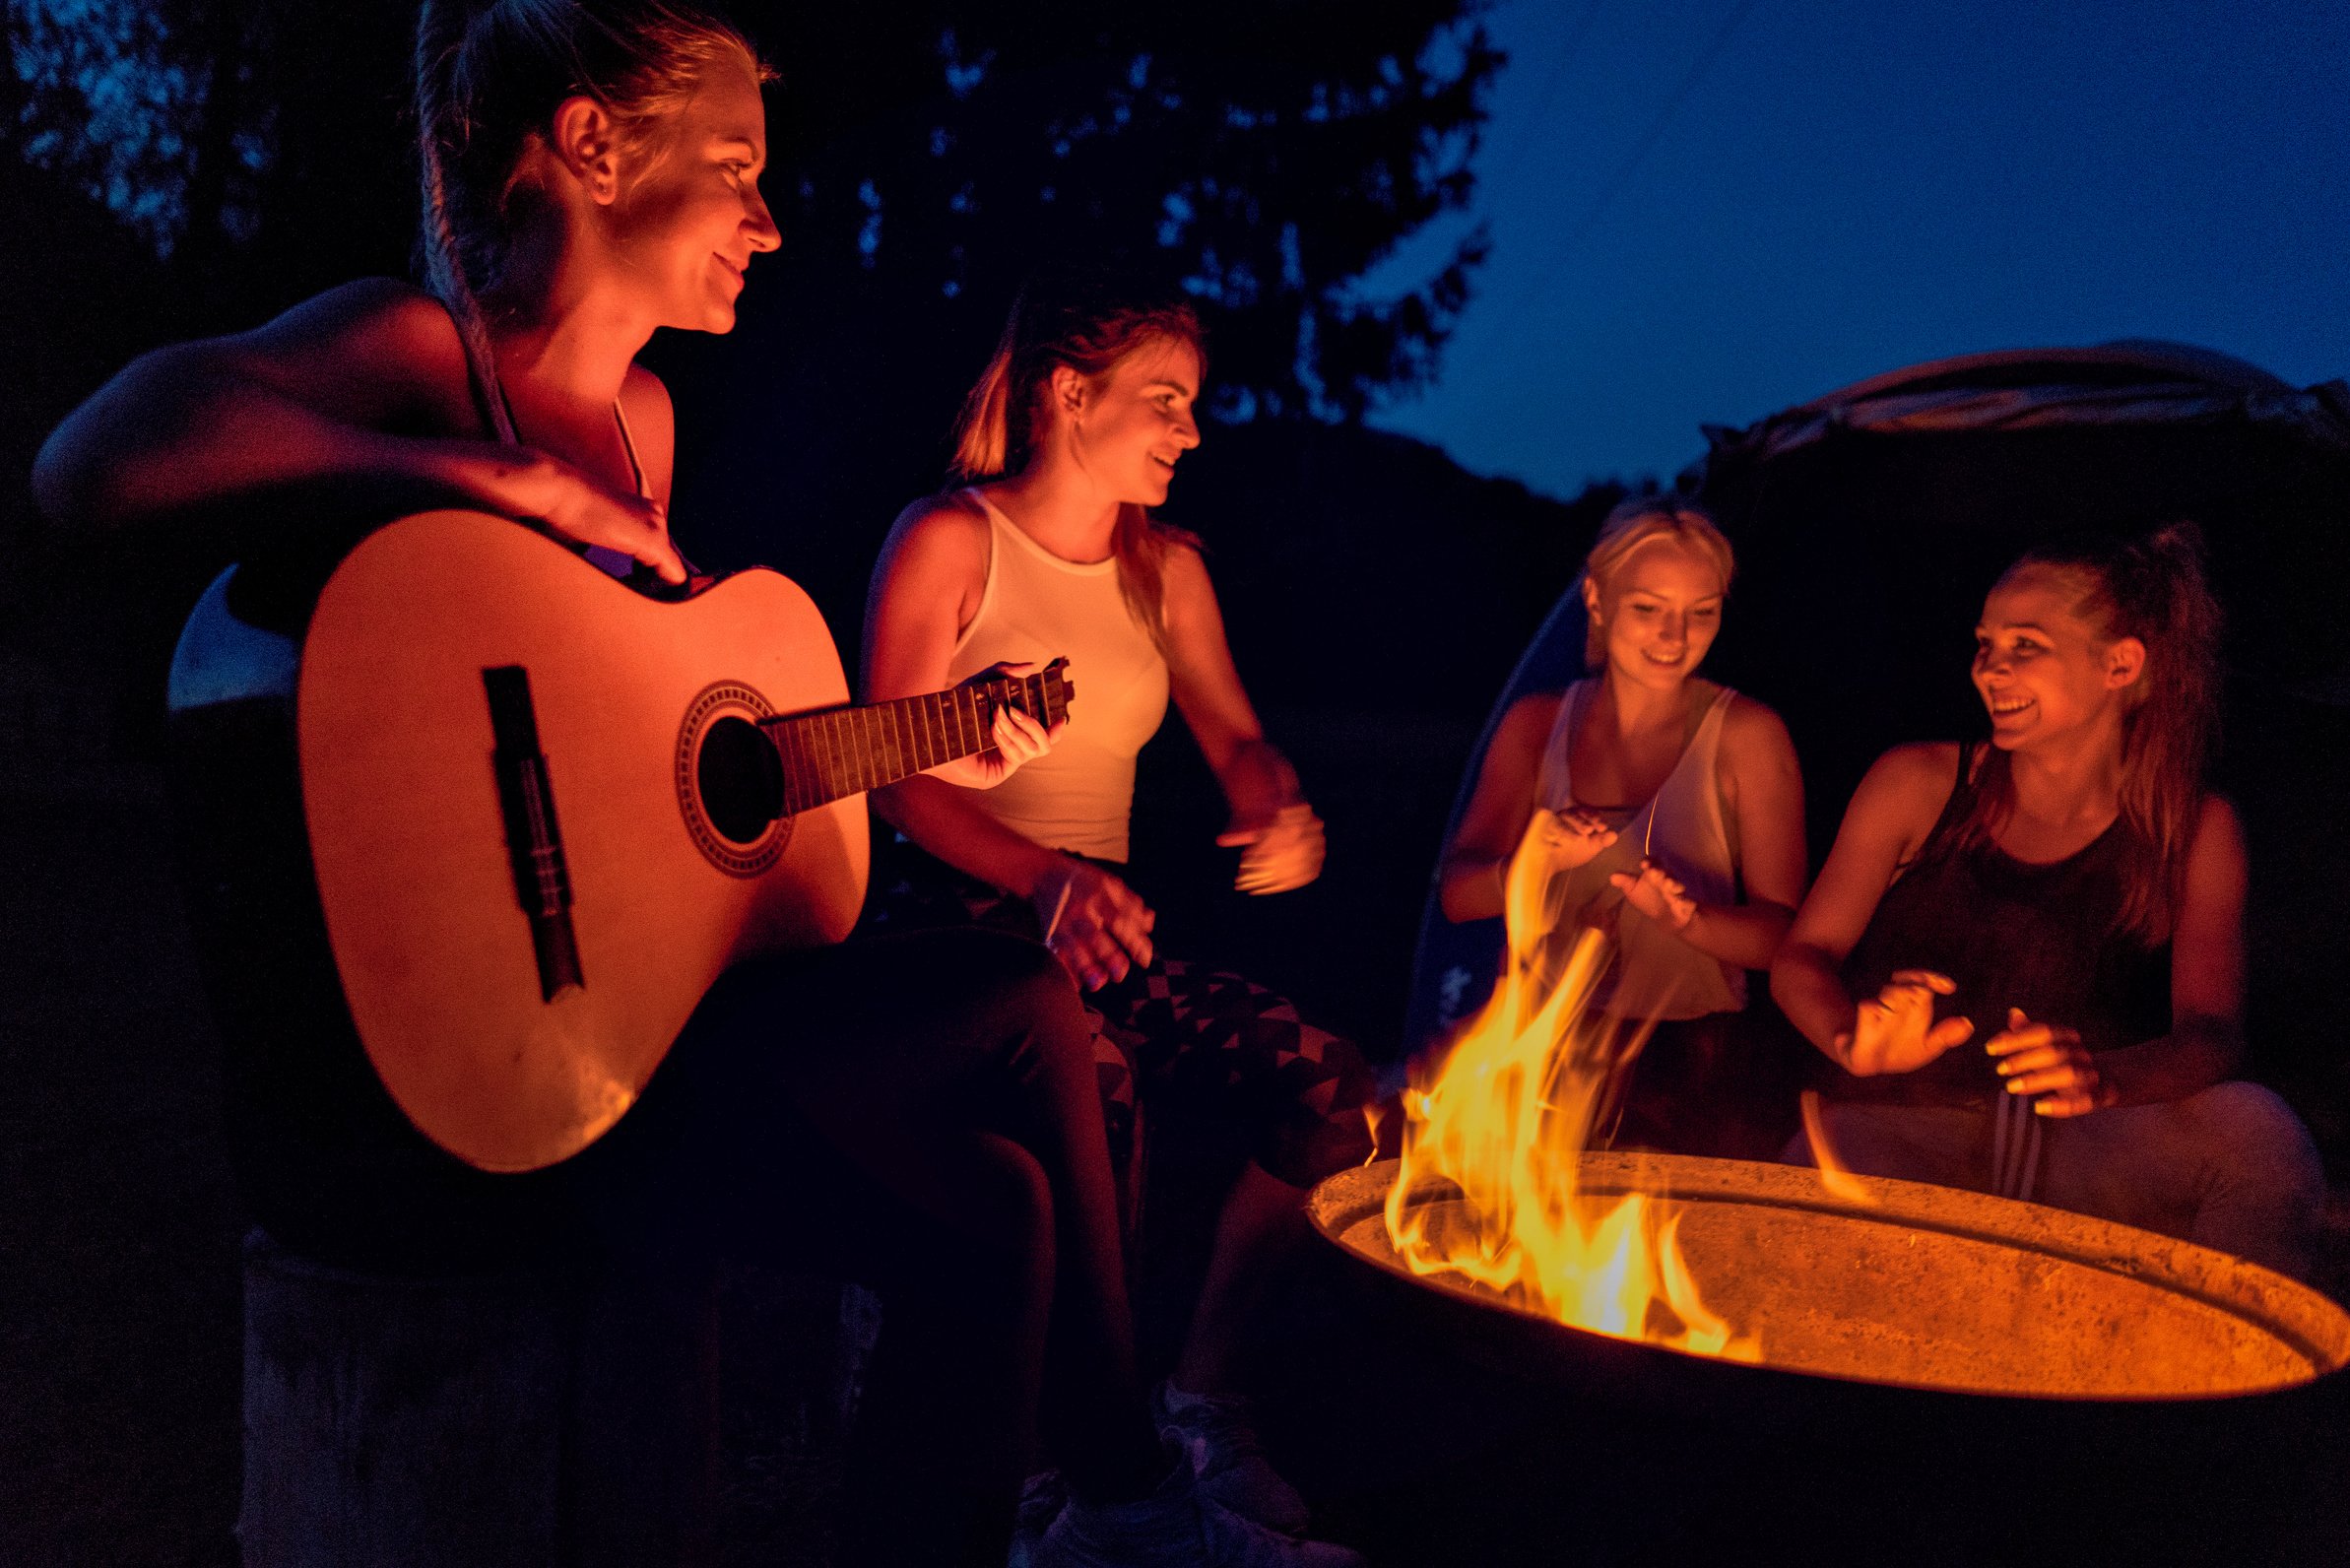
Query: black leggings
(1216, 1049)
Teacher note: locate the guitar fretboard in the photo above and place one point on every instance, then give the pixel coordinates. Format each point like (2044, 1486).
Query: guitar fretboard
(836, 753)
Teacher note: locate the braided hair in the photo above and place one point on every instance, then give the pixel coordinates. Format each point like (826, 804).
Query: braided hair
(489, 74)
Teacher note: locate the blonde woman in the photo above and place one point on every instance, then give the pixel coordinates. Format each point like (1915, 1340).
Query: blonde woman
(1670, 812)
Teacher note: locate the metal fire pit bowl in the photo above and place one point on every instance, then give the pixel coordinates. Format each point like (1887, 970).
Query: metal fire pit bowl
(1946, 1379)
(1926, 1287)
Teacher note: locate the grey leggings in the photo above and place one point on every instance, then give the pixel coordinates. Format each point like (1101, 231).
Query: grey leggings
(2230, 1167)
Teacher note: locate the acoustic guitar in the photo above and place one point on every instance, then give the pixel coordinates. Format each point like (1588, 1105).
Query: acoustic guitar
(543, 811)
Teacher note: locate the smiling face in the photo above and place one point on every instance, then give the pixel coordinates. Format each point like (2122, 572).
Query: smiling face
(1133, 424)
(687, 222)
(1658, 611)
(2042, 667)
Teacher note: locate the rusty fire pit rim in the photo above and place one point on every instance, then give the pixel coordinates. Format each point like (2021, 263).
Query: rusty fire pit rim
(2297, 1314)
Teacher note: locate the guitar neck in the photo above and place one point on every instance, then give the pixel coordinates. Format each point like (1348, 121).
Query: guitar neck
(832, 753)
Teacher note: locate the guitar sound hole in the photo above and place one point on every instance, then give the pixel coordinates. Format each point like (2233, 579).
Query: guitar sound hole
(739, 780)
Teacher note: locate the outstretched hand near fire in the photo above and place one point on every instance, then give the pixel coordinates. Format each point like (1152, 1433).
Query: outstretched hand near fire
(1894, 1032)
(1093, 923)
(2047, 1061)
(1569, 838)
(1656, 894)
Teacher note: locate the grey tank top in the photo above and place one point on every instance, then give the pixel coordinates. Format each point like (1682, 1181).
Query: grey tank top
(1655, 975)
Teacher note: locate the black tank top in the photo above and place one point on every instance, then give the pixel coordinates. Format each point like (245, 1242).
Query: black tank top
(2042, 938)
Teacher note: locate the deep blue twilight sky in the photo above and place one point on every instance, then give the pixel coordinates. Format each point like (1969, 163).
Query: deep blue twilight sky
(1855, 185)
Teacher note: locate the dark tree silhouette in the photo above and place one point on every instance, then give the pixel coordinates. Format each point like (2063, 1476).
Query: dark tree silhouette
(926, 156)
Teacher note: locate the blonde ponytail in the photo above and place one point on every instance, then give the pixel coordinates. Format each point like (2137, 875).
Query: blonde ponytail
(983, 432)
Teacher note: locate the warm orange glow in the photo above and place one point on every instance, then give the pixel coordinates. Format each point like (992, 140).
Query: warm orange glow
(1834, 1175)
(1506, 1120)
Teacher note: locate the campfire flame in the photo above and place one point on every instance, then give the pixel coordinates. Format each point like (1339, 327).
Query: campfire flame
(1834, 1177)
(1506, 1119)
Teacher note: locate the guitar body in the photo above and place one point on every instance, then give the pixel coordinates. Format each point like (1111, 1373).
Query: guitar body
(414, 869)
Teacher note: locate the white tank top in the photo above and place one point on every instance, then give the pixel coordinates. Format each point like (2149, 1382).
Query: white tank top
(1078, 796)
(1657, 974)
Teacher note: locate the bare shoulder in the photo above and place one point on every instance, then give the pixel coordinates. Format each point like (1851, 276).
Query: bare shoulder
(1909, 785)
(1755, 728)
(372, 349)
(937, 540)
(1183, 576)
(1529, 718)
(1931, 765)
(380, 312)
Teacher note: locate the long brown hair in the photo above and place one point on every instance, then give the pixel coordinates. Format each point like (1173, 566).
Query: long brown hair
(1088, 321)
(487, 75)
(2154, 589)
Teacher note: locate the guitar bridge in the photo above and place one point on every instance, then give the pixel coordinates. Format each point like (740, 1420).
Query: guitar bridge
(534, 839)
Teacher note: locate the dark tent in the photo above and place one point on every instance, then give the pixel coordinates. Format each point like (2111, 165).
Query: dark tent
(1868, 524)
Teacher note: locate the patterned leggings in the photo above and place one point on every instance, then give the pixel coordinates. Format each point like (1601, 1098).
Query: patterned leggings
(1208, 1048)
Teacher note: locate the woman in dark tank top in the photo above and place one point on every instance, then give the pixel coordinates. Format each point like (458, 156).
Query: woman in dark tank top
(2025, 959)
(2007, 933)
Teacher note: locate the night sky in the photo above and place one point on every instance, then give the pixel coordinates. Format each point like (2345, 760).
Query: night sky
(1704, 211)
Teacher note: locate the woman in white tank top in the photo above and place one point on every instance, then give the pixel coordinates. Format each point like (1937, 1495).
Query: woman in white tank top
(1072, 432)
(1671, 812)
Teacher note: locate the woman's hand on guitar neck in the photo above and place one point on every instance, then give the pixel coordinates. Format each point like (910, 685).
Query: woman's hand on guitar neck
(1017, 738)
(1092, 922)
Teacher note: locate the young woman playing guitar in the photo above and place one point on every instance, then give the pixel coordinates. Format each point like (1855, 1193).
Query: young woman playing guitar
(922, 1109)
(1072, 433)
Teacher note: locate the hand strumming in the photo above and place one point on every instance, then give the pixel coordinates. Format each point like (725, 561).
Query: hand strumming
(1092, 922)
(1279, 854)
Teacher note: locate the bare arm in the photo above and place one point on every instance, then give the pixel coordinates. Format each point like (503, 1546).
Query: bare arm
(1270, 819)
(341, 407)
(1469, 885)
(1888, 818)
(2206, 1040)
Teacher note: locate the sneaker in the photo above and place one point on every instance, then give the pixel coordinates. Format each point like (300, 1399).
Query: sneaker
(1175, 1526)
(1216, 1435)
(1042, 1497)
